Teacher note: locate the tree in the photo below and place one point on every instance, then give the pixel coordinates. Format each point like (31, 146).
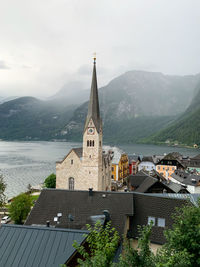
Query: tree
(183, 240)
(2, 190)
(20, 208)
(140, 257)
(102, 242)
(50, 181)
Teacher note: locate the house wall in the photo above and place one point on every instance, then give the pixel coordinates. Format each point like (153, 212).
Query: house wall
(146, 165)
(163, 169)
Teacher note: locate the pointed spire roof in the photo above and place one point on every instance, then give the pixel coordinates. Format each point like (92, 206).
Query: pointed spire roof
(93, 106)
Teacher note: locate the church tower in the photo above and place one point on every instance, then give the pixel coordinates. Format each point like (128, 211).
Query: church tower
(92, 140)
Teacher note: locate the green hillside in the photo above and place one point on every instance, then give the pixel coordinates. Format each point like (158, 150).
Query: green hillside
(28, 118)
(185, 130)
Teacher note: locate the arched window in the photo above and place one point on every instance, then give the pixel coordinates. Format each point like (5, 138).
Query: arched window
(93, 143)
(71, 183)
(88, 143)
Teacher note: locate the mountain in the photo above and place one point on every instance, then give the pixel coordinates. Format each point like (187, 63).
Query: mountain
(133, 106)
(27, 118)
(185, 129)
(72, 93)
(136, 105)
(5, 99)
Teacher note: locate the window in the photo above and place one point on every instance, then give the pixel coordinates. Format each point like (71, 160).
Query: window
(93, 143)
(99, 143)
(71, 183)
(158, 167)
(161, 222)
(112, 169)
(88, 143)
(112, 176)
(151, 219)
(72, 161)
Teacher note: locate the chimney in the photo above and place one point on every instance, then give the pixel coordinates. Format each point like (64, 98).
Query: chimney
(48, 223)
(90, 192)
(107, 215)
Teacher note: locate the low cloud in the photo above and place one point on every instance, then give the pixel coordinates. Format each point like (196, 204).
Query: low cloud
(3, 65)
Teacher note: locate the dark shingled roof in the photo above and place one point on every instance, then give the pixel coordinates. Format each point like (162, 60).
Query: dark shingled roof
(93, 107)
(146, 184)
(80, 206)
(186, 178)
(157, 206)
(22, 246)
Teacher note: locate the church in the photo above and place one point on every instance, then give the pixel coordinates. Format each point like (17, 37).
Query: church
(88, 166)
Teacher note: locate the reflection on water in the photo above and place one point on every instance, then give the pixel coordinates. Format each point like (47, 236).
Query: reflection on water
(23, 163)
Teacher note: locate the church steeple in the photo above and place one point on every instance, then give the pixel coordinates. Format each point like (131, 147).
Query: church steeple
(93, 106)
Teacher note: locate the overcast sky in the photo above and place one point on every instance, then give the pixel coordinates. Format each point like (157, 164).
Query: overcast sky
(45, 44)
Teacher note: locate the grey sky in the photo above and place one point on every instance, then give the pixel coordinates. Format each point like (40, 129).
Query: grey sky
(46, 43)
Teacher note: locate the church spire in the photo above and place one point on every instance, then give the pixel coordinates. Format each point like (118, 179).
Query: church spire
(93, 106)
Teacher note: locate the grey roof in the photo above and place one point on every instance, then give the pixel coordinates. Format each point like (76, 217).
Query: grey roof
(148, 159)
(138, 179)
(143, 181)
(132, 158)
(80, 205)
(173, 186)
(193, 198)
(146, 184)
(36, 246)
(93, 107)
(186, 178)
(197, 157)
(158, 206)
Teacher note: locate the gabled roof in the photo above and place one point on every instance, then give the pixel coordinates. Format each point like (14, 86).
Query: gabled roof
(93, 107)
(78, 151)
(146, 184)
(79, 205)
(117, 155)
(147, 159)
(197, 157)
(37, 246)
(132, 158)
(187, 178)
(157, 206)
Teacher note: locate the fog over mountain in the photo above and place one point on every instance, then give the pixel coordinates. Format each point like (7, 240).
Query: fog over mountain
(185, 129)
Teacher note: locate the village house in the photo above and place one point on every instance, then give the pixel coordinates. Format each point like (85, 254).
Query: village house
(120, 165)
(192, 164)
(87, 167)
(133, 161)
(125, 210)
(39, 246)
(169, 164)
(146, 164)
(189, 180)
(144, 183)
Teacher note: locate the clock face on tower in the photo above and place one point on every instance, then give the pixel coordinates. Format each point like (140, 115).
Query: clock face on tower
(90, 130)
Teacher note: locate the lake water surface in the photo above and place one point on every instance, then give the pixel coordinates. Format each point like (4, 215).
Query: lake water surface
(23, 163)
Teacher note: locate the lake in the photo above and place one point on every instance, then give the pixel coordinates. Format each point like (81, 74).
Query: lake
(23, 163)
